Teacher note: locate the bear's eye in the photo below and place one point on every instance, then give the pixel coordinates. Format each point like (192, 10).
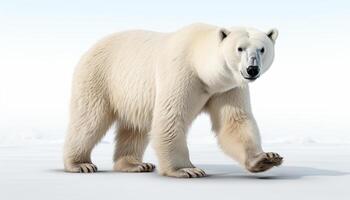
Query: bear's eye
(239, 49)
(262, 50)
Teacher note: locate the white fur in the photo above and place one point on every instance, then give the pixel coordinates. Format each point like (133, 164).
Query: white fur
(153, 85)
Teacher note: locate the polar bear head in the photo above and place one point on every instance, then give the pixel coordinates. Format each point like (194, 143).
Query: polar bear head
(247, 52)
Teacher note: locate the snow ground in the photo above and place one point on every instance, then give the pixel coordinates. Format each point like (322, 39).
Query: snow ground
(310, 171)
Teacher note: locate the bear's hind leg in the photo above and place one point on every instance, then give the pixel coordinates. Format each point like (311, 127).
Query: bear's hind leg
(88, 124)
(130, 147)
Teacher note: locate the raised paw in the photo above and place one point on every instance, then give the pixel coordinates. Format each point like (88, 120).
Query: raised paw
(264, 162)
(82, 168)
(132, 167)
(186, 173)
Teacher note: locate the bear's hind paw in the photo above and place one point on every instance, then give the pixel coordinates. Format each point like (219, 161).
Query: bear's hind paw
(82, 168)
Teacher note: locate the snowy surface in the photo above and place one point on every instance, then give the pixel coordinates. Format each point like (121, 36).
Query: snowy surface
(317, 165)
(313, 171)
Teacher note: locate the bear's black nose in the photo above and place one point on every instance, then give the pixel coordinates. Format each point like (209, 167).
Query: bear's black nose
(253, 71)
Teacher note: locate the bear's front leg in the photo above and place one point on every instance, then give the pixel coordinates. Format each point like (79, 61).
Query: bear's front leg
(170, 144)
(178, 102)
(237, 131)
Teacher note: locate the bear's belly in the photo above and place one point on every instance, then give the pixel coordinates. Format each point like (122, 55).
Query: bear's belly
(133, 99)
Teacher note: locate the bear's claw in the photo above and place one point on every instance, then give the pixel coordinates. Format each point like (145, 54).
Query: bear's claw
(145, 167)
(81, 168)
(87, 168)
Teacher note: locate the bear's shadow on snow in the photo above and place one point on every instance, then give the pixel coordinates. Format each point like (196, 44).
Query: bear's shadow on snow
(283, 172)
(234, 172)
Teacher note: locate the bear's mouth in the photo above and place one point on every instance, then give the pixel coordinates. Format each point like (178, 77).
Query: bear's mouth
(251, 79)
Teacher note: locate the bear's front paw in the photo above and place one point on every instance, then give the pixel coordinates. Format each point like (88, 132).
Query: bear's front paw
(186, 173)
(134, 167)
(263, 162)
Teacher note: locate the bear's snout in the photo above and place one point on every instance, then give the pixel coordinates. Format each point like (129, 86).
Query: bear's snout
(253, 71)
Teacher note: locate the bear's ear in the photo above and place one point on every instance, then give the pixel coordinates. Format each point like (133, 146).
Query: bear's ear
(272, 34)
(223, 33)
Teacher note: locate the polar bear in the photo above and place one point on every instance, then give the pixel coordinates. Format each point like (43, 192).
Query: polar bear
(153, 85)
